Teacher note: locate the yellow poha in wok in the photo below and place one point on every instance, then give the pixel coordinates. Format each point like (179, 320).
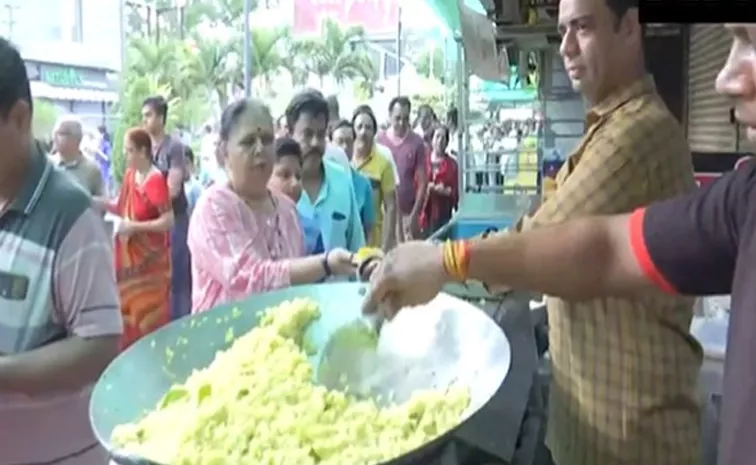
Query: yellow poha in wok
(257, 403)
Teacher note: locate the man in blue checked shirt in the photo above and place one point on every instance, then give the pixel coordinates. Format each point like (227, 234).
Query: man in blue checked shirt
(328, 193)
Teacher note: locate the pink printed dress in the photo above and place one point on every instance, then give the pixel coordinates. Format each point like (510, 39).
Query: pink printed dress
(236, 251)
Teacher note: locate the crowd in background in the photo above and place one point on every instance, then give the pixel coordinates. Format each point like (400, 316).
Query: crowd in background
(265, 204)
(495, 150)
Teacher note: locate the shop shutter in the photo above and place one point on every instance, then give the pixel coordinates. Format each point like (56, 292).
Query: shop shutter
(709, 126)
(744, 145)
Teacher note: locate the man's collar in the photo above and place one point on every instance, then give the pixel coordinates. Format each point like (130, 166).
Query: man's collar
(639, 87)
(69, 163)
(36, 178)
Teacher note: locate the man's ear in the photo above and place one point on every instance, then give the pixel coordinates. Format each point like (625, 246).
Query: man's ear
(21, 116)
(630, 25)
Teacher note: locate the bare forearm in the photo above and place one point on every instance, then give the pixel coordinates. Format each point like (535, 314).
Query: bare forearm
(422, 191)
(65, 365)
(578, 259)
(307, 270)
(389, 240)
(175, 182)
(162, 224)
(106, 204)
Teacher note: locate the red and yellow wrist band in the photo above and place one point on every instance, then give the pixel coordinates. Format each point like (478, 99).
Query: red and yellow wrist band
(457, 259)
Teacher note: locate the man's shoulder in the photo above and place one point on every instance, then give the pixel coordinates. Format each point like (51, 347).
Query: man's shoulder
(644, 125)
(415, 140)
(335, 169)
(61, 203)
(336, 155)
(648, 116)
(90, 165)
(172, 145)
(61, 189)
(382, 149)
(334, 151)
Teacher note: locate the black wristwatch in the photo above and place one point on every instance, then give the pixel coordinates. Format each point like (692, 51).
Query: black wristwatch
(326, 266)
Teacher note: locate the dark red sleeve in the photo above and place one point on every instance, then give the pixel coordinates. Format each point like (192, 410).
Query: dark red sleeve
(156, 190)
(689, 244)
(454, 181)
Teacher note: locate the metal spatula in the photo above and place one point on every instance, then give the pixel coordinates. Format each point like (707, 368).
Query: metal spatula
(350, 355)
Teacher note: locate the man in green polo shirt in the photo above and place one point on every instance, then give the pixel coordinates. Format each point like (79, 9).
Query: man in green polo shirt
(60, 321)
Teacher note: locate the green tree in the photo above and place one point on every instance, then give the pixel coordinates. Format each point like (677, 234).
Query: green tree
(269, 48)
(215, 13)
(430, 63)
(338, 53)
(214, 66)
(44, 119)
(168, 69)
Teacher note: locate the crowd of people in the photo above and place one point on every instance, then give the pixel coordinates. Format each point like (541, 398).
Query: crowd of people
(623, 245)
(270, 203)
(275, 203)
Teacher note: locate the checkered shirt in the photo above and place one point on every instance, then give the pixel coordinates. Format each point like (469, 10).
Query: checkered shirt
(624, 370)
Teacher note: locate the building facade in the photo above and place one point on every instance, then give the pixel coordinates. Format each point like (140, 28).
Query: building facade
(72, 50)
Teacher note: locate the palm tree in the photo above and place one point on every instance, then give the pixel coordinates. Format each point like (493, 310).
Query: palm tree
(337, 53)
(145, 57)
(175, 68)
(268, 50)
(215, 66)
(430, 63)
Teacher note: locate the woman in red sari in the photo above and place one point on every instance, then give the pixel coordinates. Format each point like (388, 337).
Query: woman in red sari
(443, 184)
(143, 266)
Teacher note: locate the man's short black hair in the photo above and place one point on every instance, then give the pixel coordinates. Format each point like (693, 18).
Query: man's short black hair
(287, 147)
(309, 102)
(400, 100)
(189, 153)
(621, 7)
(339, 125)
(158, 104)
(14, 83)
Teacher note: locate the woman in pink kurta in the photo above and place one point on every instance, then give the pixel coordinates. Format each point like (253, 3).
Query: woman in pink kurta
(243, 238)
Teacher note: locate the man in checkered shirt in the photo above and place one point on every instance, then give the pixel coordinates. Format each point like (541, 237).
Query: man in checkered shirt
(625, 370)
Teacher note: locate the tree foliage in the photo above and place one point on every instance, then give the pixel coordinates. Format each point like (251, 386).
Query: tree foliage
(338, 53)
(199, 73)
(44, 119)
(430, 63)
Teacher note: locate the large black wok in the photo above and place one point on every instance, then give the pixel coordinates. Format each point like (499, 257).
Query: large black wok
(448, 340)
